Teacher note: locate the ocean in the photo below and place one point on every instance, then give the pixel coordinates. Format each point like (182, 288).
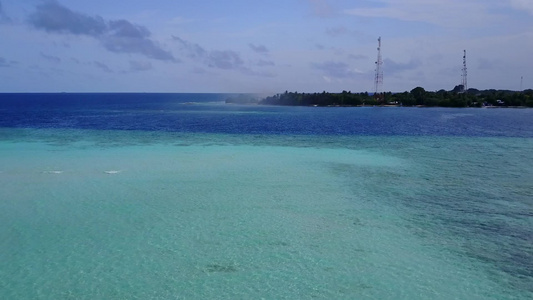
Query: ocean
(181, 196)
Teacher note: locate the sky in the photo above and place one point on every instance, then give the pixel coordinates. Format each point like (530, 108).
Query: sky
(253, 46)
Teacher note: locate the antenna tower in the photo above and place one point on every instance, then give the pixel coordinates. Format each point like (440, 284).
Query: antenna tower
(378, 80)
(521, 82)
(463, 76)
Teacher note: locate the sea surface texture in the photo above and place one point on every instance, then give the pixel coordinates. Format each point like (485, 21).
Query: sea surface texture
(180, 196)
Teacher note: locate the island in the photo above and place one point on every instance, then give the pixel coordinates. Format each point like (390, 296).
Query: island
(416, 97)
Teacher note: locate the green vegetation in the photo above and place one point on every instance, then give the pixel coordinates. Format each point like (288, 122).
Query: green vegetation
(416, 97)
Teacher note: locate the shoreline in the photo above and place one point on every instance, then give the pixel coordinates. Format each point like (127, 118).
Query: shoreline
(417, 97)
(391, 105)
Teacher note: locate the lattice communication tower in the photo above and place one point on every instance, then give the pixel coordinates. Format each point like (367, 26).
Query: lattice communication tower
(464, 82)
(378, 79)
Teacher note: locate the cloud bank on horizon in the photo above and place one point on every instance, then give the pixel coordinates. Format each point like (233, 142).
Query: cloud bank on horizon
(262, 47)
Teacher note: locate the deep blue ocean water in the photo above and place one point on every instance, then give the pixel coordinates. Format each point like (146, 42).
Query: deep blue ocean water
(207, 113)
(181, 196)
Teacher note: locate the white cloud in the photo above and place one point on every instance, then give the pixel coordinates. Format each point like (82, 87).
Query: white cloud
(102, 66)
(335, 69)
(180, 21)
(446, 13)
(119, 36)
(3, 17)
(140, 65)
(6, 63)
(259, 48)
(321, 8)
(526, 5)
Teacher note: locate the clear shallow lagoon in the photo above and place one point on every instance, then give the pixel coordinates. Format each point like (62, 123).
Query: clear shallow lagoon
(143, 196)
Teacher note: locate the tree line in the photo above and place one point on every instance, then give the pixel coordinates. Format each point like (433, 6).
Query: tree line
(416, 97)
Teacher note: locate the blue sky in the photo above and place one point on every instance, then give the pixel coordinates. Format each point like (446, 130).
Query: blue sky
(262, 46)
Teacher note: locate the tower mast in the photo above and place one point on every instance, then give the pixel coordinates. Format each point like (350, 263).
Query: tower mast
(463, 76)
(378, 79)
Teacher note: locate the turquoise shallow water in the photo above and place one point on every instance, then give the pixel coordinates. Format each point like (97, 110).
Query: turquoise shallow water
(150, 215)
